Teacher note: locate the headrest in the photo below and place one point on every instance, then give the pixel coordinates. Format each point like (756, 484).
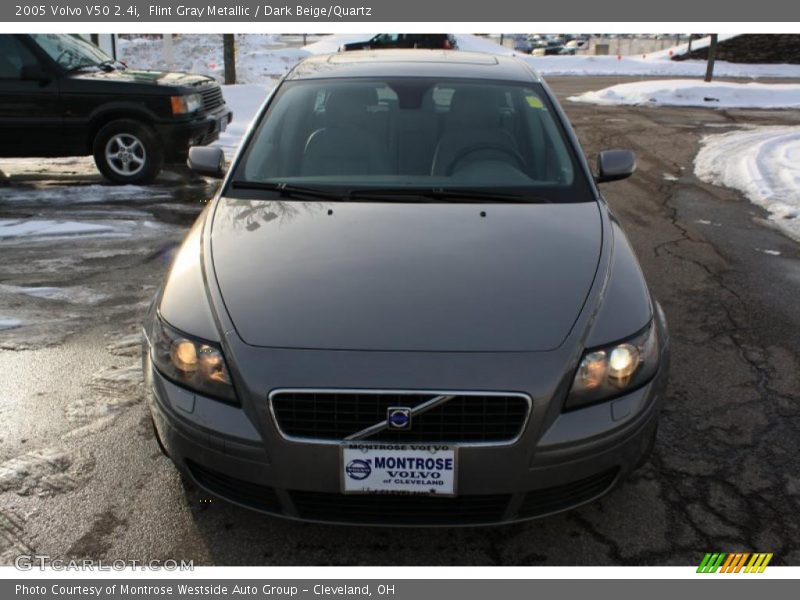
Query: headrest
(477, 106)
(349, 103)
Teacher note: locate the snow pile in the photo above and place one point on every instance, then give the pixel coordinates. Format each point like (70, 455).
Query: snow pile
(690, 92)
(650, 67)
(259, 57)
(466, 42)
(244, 101)
(682, 49)
(331, 43)
(763, 163)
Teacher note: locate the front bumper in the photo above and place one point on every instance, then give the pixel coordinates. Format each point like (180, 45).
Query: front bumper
(580, 457)
(177, 137)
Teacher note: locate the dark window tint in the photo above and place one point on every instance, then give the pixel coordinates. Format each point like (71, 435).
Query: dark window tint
(14, 56)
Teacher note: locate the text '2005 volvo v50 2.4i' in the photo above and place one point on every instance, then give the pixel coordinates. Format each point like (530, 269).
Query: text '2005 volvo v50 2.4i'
(408, 304)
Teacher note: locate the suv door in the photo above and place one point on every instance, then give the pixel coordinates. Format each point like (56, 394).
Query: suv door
(30, 120)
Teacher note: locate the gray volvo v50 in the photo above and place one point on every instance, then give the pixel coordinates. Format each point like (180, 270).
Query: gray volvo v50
(408, 304)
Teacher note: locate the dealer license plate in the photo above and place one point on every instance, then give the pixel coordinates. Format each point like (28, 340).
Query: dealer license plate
(424, 469)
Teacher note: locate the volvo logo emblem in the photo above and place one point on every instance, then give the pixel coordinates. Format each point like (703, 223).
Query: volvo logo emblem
(398, 417)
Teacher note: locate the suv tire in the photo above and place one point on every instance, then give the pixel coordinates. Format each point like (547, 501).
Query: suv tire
(127, 152)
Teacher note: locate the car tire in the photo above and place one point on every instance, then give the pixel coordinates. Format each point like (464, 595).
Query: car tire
(127, 152)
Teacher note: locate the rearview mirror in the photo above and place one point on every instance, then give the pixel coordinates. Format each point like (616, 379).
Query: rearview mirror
(207, 161)
(613, 165)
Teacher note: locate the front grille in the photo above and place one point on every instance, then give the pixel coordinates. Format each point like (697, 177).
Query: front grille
(253, 495)
(466, 418)
(377, 509)
(212, 97)
(554, 499)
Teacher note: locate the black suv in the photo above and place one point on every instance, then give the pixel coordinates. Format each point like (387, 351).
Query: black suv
(382, 41)
(62, 96)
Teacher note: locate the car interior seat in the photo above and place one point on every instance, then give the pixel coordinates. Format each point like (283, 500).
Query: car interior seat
(474, 131)
(346, 145)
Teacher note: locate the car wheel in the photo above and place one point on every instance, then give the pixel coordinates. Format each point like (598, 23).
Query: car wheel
(127, 151)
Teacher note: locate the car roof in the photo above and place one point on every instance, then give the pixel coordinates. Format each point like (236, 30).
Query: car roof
(414, 63)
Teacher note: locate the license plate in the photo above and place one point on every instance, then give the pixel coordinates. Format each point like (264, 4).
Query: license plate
(421, 469)
(223, 124)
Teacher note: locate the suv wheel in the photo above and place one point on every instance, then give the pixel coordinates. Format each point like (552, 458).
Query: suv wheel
(127, 151)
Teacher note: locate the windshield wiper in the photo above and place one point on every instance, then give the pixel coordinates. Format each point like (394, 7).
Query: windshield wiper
(404, 194)
(106, 65)
(110, 63)
(83, 67)
(285, 190)
(439, 194)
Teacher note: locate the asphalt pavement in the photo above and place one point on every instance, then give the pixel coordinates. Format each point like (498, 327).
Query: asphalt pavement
(81, 475)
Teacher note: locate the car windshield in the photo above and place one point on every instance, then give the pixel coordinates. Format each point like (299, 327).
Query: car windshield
(407, 135)
(71, 51)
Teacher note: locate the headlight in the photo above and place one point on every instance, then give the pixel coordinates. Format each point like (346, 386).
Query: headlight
(191, 363)
(615, 369)
(186, 104)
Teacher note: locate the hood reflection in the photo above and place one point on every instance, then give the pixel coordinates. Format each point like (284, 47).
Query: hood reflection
(249, 215)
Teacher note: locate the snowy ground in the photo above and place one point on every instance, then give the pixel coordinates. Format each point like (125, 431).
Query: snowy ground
(690, 92)
(259, 57)
(263, 58)
(763, 163)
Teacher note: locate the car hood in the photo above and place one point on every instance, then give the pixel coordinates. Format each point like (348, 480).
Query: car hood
(159, 78)
(404, 276)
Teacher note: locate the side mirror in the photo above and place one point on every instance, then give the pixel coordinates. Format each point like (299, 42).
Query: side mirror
(207, 161)
(613, 165)
(34, 72)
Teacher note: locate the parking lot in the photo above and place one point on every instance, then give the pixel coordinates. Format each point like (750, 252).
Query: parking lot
(81, 475)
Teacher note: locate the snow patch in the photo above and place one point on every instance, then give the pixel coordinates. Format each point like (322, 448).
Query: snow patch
(43, 472)
(85, 194)
(9, 322)
(690, 92)
(770, 252)
(51, 229)
(46, 227)
(129, 345)
(763, 163)
(74, 295)
(111, 391)
(669, 177)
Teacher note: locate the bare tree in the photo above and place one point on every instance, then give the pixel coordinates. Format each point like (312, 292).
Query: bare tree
(229, 57)
(712, 56)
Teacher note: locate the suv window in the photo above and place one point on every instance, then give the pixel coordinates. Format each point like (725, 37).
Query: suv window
(14, 56)
(70, 51)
